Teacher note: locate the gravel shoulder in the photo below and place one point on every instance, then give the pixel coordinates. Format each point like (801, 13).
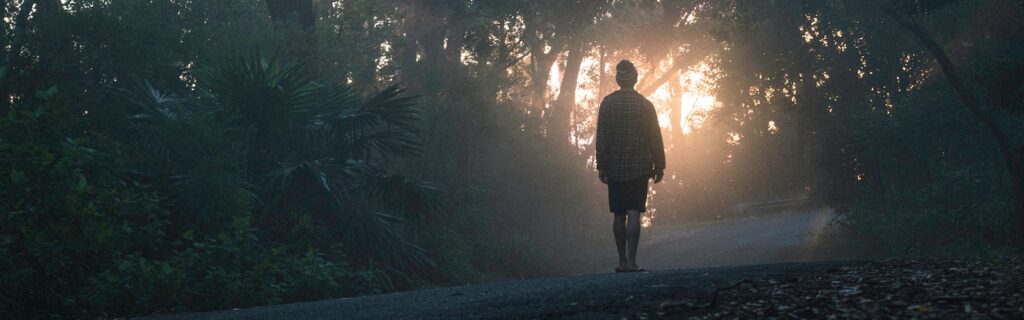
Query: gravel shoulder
(935, 288)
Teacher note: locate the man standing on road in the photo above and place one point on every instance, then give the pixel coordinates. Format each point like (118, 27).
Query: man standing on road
(629, 152)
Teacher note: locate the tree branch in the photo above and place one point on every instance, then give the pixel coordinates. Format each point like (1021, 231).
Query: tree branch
(17, 41)
(966, 95)
(1014, 159)
(682, 61)
(517, 60)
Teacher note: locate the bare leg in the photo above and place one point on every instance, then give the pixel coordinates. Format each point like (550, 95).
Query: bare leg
(633, 237)
(619, 229)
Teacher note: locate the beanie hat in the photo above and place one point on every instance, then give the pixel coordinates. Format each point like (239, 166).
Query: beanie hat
(625, 71)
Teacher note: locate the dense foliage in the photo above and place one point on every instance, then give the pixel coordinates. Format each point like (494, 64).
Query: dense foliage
(874, 123)
(177, 155)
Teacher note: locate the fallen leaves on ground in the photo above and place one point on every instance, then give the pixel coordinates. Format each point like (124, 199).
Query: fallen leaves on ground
(898, 288)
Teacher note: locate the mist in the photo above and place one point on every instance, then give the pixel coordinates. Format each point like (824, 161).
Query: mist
(168, 156)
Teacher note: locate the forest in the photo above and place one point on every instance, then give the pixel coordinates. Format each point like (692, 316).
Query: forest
(167, 156)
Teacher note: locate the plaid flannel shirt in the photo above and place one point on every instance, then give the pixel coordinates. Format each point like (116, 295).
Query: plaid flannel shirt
(629, 144)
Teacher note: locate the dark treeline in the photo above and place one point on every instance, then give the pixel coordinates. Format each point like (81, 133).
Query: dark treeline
(163, 156)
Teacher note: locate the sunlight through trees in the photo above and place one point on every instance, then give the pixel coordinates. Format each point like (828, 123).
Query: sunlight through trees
(231, 153)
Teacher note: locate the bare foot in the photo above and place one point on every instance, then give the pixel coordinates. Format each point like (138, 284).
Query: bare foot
(634, 268)
(623, 266)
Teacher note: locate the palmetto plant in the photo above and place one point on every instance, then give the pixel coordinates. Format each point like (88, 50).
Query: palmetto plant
(317, 158)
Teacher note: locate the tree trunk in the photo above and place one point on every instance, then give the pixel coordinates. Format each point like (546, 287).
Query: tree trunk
(455, 38)
(17, 40)
(561, 117)
(541, 67)
(430, 36)
(300, 11)
(602, 81)
(540, 64)
(424, 50)
(407, 49)
(676, 113)
(48, 7)
(452, 35)
(1012, 157)
(304, 13)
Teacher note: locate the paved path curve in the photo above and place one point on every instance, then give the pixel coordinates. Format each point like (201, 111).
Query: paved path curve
(596, 296)
(748, 241)
(776, 238)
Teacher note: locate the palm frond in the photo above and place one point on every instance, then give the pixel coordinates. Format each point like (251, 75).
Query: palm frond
(375, 234)
(337, 101)
(368, 233)
(331, 175)
(315, 148)
(350, 120)
(349, 124)
(385, 144)
(411, 198)
(267, 94)
(408, 257)
(395, 110)
(154, 105)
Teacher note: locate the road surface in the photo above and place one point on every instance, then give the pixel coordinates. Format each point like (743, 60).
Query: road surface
(787, 237)
(776, 238)
(889, 289)
(757, 240)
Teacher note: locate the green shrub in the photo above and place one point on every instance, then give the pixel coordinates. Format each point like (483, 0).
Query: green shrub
(82, 234)
(930, 183)
(65, 211)
(216, 274)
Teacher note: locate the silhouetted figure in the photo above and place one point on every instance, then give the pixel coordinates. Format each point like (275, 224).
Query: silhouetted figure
(629, 152)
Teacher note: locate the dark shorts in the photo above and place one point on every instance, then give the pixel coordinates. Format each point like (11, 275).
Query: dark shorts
(627, 195)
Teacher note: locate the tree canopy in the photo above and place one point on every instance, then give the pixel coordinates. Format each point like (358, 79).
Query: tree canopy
(181, 155)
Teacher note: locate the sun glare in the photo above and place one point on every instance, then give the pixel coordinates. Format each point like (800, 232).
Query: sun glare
(694, 93)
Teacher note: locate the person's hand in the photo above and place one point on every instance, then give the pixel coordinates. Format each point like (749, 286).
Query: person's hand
(601, 176)
(658, 175)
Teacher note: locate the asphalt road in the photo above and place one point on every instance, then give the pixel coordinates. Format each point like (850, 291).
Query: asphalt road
(683, 252)
(597, 296)
(758, 240)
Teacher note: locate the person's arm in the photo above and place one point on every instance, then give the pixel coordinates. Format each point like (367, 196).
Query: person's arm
(657, 146)
(601, 142)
